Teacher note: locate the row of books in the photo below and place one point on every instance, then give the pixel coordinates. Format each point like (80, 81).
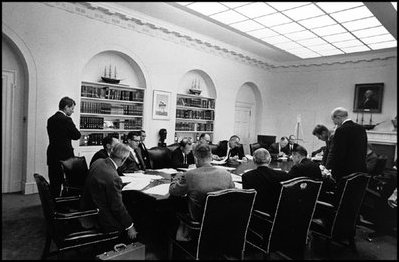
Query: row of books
(135, 123)
(91, 122)
(204, 126)
(194, 114)
(105, 108)
(185, 126)
(196, 102)
(109, 93)
(96, 138)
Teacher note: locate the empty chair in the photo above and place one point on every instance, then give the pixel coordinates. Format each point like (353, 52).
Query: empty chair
(337, 221)
(253, 147)
(222, 231)
(287, 229)
(160, 157)
(75, 173)
(63, 227)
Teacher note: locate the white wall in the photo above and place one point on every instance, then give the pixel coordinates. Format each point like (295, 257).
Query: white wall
(61, 43)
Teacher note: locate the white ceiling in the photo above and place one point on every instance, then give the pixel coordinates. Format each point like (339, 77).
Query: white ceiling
(181, 17)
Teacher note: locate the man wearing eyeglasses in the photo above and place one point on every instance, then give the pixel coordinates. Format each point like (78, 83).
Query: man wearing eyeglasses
(134, 163)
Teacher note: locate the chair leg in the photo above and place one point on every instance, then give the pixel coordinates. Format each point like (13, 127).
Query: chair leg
(170, 250)
(46, 247)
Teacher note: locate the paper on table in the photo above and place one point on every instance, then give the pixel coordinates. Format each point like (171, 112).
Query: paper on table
(141, 175)
(249, 157)
(218, 162)
(162, 189)
(227, 168)
(168, 171)
(238, 185)
(137, 184)
(236, 178)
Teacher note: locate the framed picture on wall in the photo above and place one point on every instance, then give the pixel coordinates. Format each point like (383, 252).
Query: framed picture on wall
(368, 97)
(161, 105)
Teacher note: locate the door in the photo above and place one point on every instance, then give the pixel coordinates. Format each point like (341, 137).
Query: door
(244, 125)
(12, 133)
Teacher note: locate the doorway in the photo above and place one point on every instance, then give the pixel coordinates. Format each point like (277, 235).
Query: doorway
(243, 124)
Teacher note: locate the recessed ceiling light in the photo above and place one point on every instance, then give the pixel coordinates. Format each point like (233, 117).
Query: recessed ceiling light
(317, 22)
(312, 42)
(281, 6)
(288, 45)
(273, 19)
(331, 7)
(288, 28)
(352, 14)
(388, 44)
(303, 12)
(301, 35)
(331, 52)
(318, 48)
(276, 39)
(255, 9)
(262, 33)
(247, 25)
(350, 43)
(339, 37)
(329, 30)
(355, 49)
(378, 39)
(379, 30)
(361, 23)
(229, 17)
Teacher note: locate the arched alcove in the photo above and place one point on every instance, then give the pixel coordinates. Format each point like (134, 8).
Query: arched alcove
(248, 110)
(199, 78)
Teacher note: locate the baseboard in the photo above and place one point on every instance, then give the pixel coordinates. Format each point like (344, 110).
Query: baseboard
(30, 188)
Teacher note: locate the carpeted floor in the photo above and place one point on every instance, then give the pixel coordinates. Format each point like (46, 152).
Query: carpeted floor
(23, 238)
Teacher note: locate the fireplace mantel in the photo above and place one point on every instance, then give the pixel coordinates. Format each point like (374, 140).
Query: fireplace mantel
(382, 137)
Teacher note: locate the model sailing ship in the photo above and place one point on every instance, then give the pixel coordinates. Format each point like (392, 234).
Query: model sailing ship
(195, 87)
(108, 78)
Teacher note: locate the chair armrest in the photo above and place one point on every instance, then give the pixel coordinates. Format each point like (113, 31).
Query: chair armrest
(67, 199)
(186, 219)
(262, 215)
(74, 215)
(324, 205)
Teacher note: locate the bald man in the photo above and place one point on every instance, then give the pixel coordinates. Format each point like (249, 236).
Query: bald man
(349, 146)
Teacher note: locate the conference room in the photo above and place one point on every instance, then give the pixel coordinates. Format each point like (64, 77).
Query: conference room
(231, 87)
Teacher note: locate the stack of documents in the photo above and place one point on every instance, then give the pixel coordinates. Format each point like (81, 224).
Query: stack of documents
(169, 171)
(162, 190)
(137, 181)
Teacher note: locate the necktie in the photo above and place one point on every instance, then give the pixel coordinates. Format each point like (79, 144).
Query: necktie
(185, 158)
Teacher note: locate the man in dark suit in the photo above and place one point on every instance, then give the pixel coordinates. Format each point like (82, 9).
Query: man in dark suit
(108, 142)
(231, 150)
(103, 190)
(183, 155)
(134, 163)
(323, 134)
(61, 130)
(265, 180)
(291, 144)
(280, 149)
(143, 150)
(348, 150)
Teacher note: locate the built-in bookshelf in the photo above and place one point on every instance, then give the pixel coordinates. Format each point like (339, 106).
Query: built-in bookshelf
(109, 109)
(194, 115)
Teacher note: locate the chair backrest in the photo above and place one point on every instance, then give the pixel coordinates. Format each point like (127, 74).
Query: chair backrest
(351, 192)
(266, 140)
(253, 147)
(47, 200)
(380, 165)
(75, 171)
(160, 157)
(225, 223)
(293, 216)
(214, 148)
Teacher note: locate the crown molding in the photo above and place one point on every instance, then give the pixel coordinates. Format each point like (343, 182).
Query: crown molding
(130, 20)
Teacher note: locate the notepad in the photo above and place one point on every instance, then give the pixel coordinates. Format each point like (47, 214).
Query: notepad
(162, 190)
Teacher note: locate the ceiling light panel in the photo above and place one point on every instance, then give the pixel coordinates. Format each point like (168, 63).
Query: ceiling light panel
(388, 44)
(331, 7)
(378, 39)
(273, 19)
(229, 17)
(331, 52)
(255, 9)
(352, 14)
(207, 8)
(312, 42)
(276, 39)
(339, 37)
(234, 4)
(288, 45)
(329, 30)
(288, 28)
(307, 11)
(301, 35)
(304, 54)
(263, 33)
(281, 6)
(350, 43)
(379, 30)
(317, 22)
(247, 25)
(319, 48)
(362, 23)
(355, 49)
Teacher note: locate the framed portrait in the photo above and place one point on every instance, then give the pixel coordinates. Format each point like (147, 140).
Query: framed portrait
(368, 97)
(161, 105)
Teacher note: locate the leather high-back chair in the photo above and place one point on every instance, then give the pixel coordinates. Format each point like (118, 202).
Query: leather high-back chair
(172, 147)
(62, 225)
(287, 229)
(75, 173)
(253, 147)
(222, 230)
(337, 221)
(160, 157)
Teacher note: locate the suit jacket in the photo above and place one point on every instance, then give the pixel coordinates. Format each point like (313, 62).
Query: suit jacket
(326, 150)
(274, 150)
(61, 130)
(348, 150)
(102, 153)
(237, 151)
(144, 154)
(178, 159)
(198, 182)
(103, 190)
(306, 168)
(266, 182)
(131, 165)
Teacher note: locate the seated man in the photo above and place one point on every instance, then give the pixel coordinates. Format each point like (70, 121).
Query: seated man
(292, 144)
(196, 183)
(280, 149)
(103, 190)
(183, 155)
(231, 150)
(265, 180)
(143, 150)
(108, 143)
(134, 163)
